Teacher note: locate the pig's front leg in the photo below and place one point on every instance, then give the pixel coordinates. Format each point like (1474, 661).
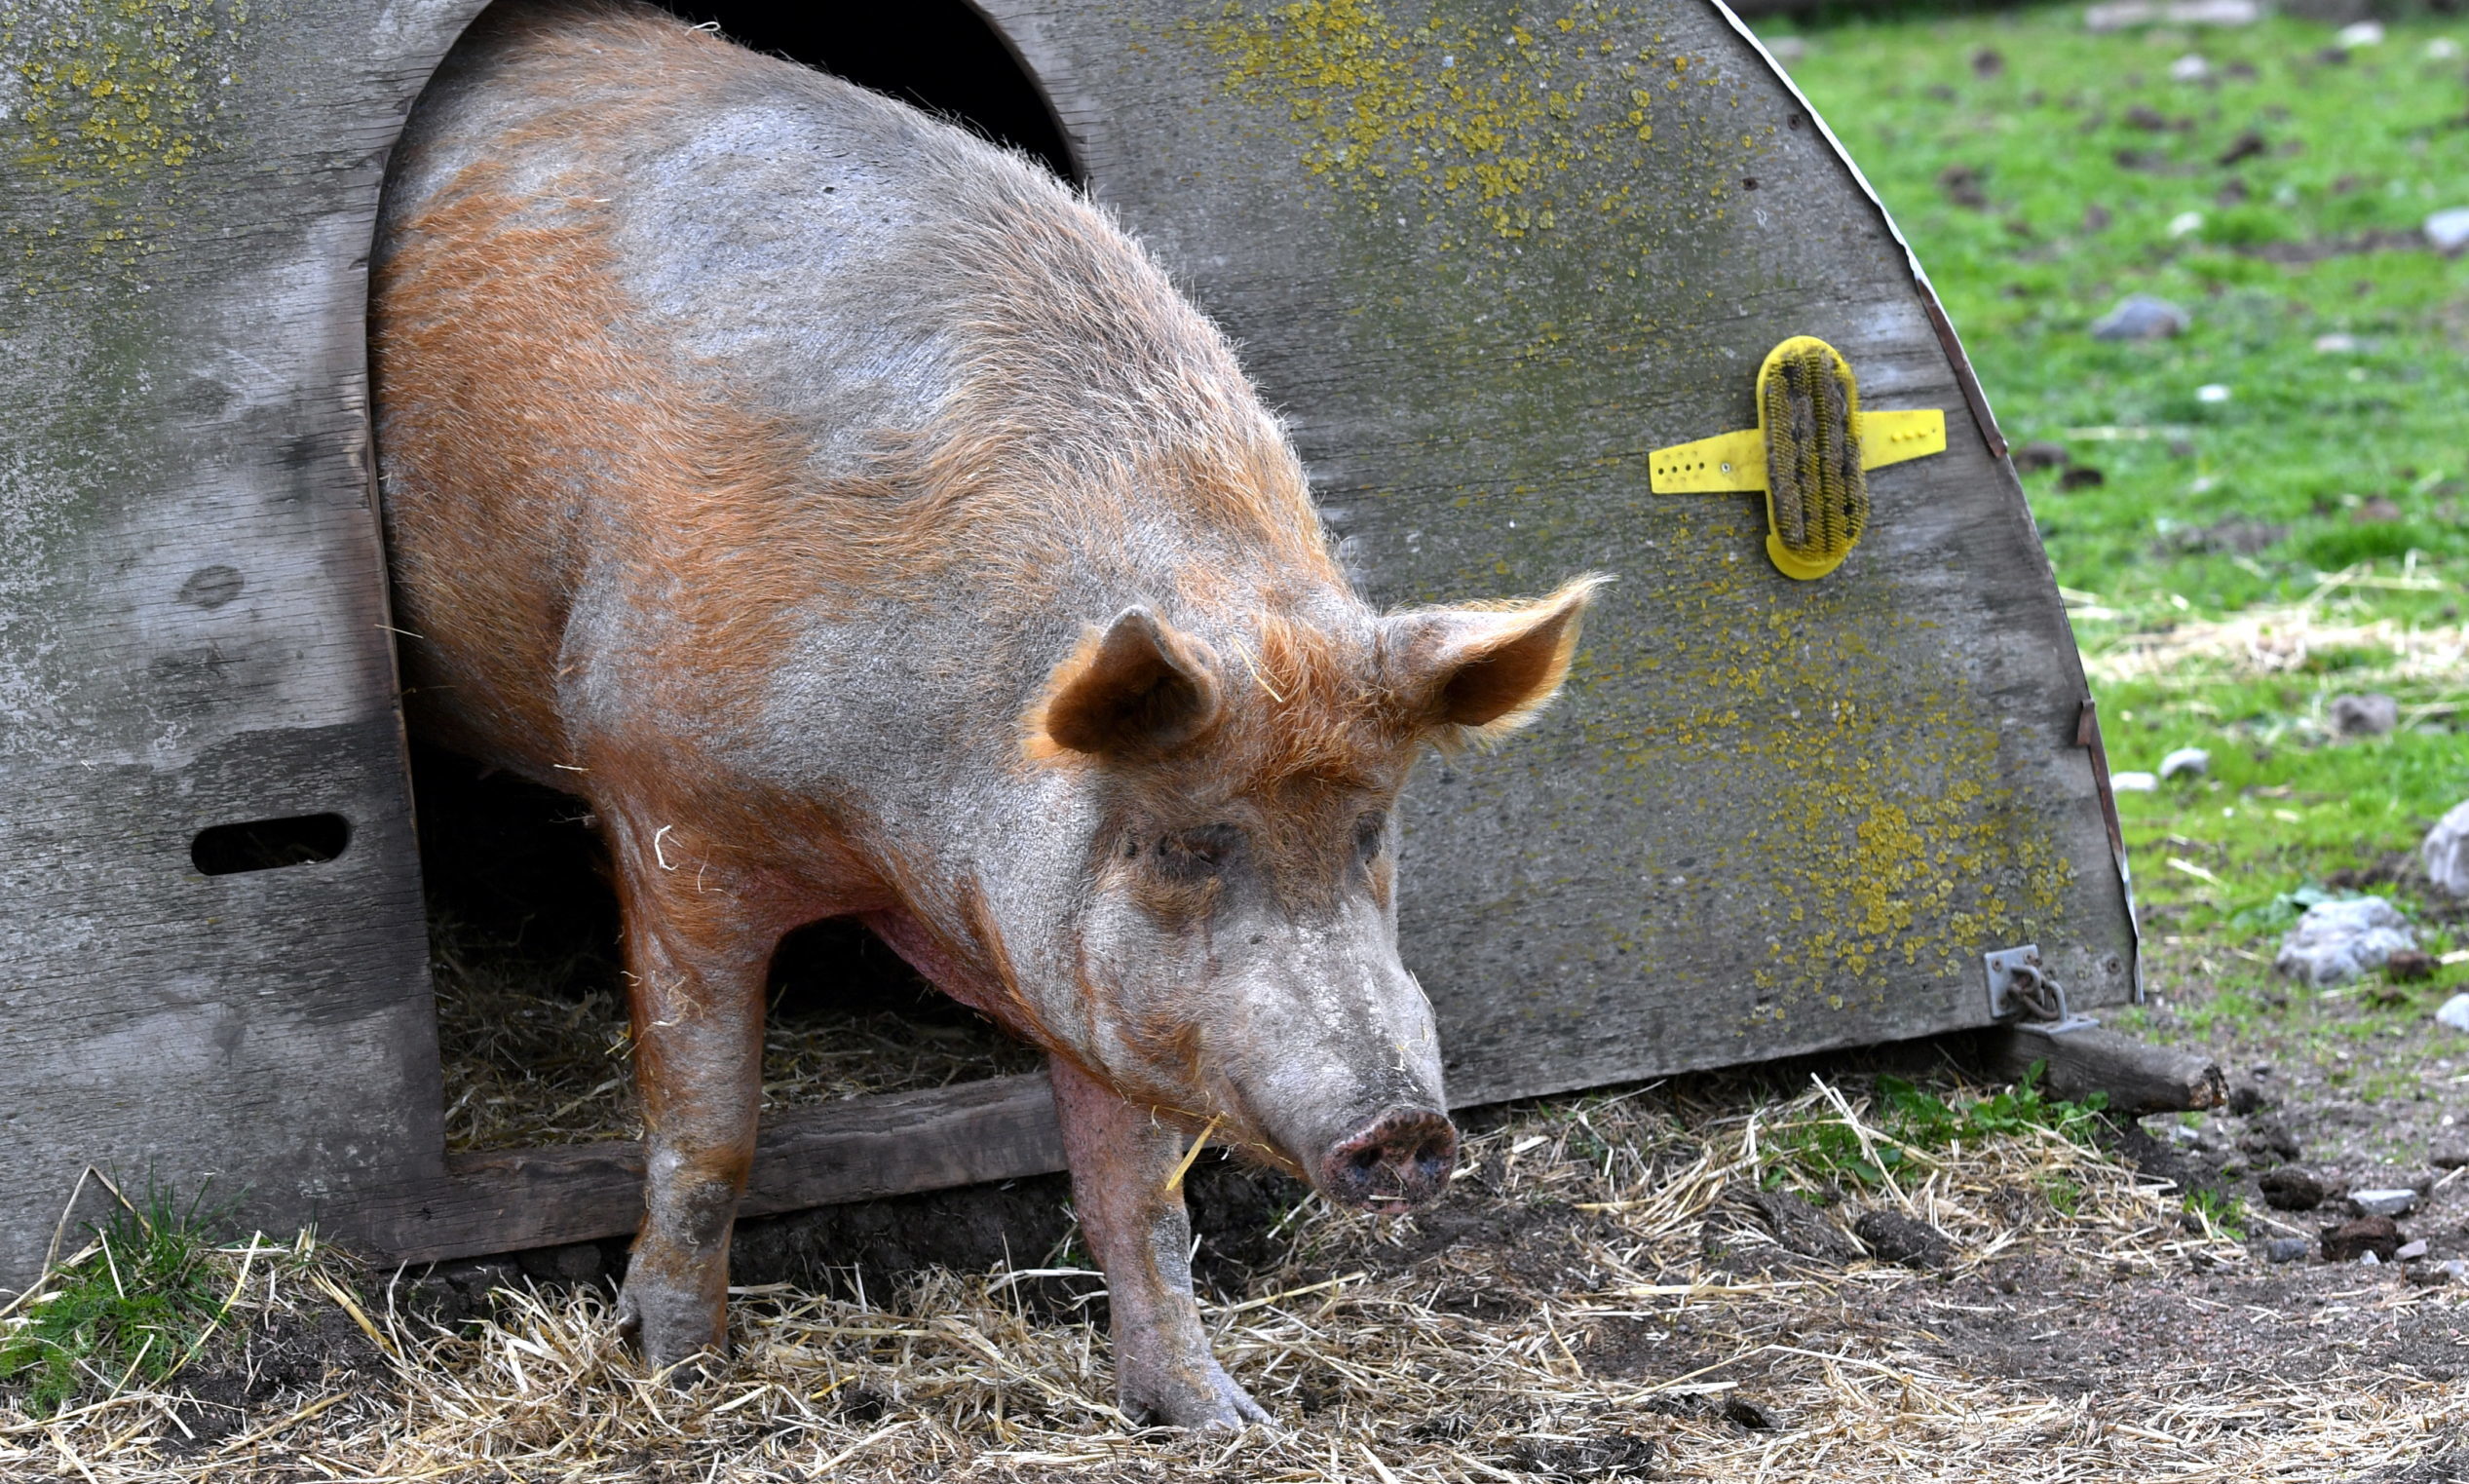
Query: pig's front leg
(1121, 1159)
(695, 993)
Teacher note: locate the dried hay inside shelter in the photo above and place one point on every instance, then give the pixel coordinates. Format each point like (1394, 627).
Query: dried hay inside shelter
(1608, 1294)
(533, 1055)
(532, 1028)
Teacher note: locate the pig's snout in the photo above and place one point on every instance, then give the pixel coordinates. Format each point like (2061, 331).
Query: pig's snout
(1400, 1160)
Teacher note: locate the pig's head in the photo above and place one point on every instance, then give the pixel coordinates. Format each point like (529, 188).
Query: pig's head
(1230, 942)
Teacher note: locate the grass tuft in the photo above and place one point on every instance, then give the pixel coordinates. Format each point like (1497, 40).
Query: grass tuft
(1906, 1120)
(132, 1306)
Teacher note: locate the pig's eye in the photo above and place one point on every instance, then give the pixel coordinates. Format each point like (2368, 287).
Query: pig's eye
(1371, 833)
(1195, 855)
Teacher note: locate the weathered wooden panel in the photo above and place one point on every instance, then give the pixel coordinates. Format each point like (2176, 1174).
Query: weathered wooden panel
(1486, 255)
(895, 1144)
(191, 610)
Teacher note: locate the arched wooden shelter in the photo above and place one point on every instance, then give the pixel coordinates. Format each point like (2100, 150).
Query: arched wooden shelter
(1489, 257)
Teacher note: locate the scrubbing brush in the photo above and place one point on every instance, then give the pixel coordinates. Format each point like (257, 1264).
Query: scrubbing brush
(1817, 494)
(1811, 452)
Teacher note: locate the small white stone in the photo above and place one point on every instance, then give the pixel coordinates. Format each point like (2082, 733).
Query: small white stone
(2446, 851)
(2337, 942)
(2449, 229)
(2193, 762)
(2392, 1203)
(2363, 33)
(2189, 68)
(2212, 391)
(2369, 1259)
(2118, 15)
(2335, 344)
(2141, 316)
(2443, 48)
(2185, 222)
(2371, 714)
(2455, 1014)
(2410, 1251)
(2133, 782)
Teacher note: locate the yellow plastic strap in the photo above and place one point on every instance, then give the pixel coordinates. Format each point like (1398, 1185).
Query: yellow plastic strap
(1737, 462)
(1890, 437)
(1728, 461)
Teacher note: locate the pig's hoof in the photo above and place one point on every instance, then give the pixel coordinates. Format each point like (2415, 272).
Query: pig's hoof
(1205, 1400)
(679, 1341)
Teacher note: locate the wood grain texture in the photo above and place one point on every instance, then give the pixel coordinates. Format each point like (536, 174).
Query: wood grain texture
(895, 1144)
(2137, 1078)
(191, 613)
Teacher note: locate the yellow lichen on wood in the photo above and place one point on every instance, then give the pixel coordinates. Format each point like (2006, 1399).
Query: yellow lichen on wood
(1847, 788)
(1483, 117)
(117, 98)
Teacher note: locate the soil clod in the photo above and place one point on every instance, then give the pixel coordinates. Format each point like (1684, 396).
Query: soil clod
(1743, 1412)
(2268, 1138)
(2410, 966)
(2290, 1189)
(1802, 1227)
(2353, 1239)
(1895, 1237)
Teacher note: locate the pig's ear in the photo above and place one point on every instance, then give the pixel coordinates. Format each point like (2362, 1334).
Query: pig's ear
(1484, 671)
(1138, 690)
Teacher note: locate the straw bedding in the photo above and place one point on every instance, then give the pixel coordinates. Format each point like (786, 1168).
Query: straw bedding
(534, 1044)
(531, 999)
(1604, 1296)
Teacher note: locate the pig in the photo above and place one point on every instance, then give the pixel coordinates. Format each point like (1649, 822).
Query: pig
(861, 522)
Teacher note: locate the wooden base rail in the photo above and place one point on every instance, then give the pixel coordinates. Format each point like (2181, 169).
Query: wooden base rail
(507, 1200)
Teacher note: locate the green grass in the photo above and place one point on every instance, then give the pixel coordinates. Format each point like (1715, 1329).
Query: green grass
(1912, 1118)
(2353, 155)
(2285, 807)
(2224, 1213)
(132, 1309)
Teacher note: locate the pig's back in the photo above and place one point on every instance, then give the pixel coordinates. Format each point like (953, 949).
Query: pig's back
(649, 307)
(766, 225)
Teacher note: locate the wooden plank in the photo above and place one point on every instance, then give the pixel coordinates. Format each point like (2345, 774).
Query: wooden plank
(192, 610)
(2135, 1077)
(1001, 1128)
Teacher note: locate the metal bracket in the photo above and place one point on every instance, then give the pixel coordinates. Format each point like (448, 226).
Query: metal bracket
(2020, 990)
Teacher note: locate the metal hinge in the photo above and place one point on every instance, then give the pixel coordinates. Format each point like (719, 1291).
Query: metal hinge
(2021, 991)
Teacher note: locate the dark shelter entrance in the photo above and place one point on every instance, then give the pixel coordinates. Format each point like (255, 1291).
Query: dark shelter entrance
(524, 926)
(939, 55)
